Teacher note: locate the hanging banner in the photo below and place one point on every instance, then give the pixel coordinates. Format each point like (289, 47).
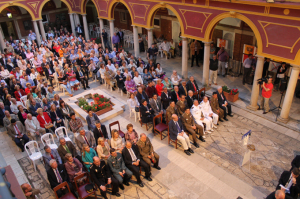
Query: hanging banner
(222, 42)
(248, 49)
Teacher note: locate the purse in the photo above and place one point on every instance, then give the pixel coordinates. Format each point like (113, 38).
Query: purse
(47, 126)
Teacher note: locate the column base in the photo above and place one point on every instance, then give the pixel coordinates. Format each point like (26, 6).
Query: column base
(253, 108)
(283, 120)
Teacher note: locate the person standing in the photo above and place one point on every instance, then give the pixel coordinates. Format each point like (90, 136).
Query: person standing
(152, 53)
(79, 30)
(195, 49)
(213, 70)
(266, 93)
(116, 40)
(223, 57)
(280, 75)
(247, 68)
(105, 40)
(266, 67)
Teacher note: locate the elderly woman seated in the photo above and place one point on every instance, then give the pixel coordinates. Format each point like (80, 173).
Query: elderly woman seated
(44, 120)
(56, 116)
(117, 141)
(73, 166)
(131, 135)
(87, 156)
(103, 149)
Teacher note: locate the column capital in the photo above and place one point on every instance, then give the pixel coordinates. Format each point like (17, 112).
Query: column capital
(83, 14)
(149, 29)
(205, 42)
(37, 20)
(110, 20)
(183, 38)
(295, 67)
(259, 56)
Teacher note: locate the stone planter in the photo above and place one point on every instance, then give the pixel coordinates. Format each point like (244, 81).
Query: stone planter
(104, 110)
(231, 98)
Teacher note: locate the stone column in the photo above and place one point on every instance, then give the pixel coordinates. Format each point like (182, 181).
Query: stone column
(85, 27)
(255, 87)
(36, 30)
(77, 20)
(206, 63)
(72, 23)
(101, 27)
(184, 58)
(289, 95)
(136, 41)
(17, 29)
(112, 31)
(42, 29)
(2, 43)
(150, 37)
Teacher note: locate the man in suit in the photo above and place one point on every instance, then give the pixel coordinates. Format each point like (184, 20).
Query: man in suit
(17, 132)
(49, 72)
(147, 152)
(175, 96)
(192, 85)
(223, 103)
(82, 78)
(66, 147)
(181, 105)
(141, 95)
(192, 127)
(8, 117)
(190, 99)
(165, 98)
(289, 184)
(79, 30)
(33, 126)
(195, 50)
(132, 159)
(214, 103)
(33, 107)
(85, 137)
(296, 162)
(170, 111)
(156, 105)
(49, 155)
(278, 194)
(176, 131)
(99, 131)
(118, 168)
(2, 112)
(183, 89)
(102, 176)
(147, 113)
(57, 174)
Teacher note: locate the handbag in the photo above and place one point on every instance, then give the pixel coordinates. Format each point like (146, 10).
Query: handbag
(89, 188)
(137, 109)
(47, 126)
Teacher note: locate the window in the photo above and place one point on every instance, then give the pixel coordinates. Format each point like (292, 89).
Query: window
(156, 22)
(123, 17)
(45, 19)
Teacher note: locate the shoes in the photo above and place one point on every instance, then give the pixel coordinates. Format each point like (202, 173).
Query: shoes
(224, 75)
(218, 75)
(196, 145)
(216, 84)
(23, 150)
(265, 112)
(126, 183)
(231, 115)
(207, 132)
(221, 120)
(84, 88)
(157, 167)
(141, 184)
(121, 186)
(87, 86)
(116, 194)
(211, 130)
(149, 179)
(187, 152)
(113, 88)
(192, 66)
(201, 138)
(215, 126)
(190, 150)
(225, 119)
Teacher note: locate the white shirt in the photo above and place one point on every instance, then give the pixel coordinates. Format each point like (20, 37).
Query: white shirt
(206, 108)
(196, 112)
(165, 46)
(32, 36)
(111, 67)
(133, 156)
(138, 80)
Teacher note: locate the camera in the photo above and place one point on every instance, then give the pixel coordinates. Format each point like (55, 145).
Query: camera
(261, 80)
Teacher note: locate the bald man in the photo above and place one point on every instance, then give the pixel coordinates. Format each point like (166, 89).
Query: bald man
(279, 194)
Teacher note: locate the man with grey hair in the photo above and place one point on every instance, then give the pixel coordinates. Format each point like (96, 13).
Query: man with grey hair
(67, 147)
(50, 154)
(223, 103)
(8, 117)
(33, 126)
(85, 137)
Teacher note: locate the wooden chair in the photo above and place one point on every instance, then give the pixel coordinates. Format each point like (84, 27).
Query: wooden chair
(121, 133)
(170, 140)
(82, 193)
(200, 98)
(141, 121)
(159, 128)
(69, 195)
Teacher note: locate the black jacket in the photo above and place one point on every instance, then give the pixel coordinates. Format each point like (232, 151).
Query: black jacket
(174, 96)
(146, 116)
(182, 91)
(120, 80)
(296, 162)
(283, 180)
(190, 102)
(190, 86)
(165, 100)
(47, 72)
(98, 134)
(53, 115)
(52, 177)
(173, 130)
(127, 157)
(100, 174)
(221, 101)
(62, 151)
(139, 97)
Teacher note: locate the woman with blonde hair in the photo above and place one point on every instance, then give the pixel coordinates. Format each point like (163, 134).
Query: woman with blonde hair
(130, 85)
(44, 120)
(116, 141)
(103, 149)
(87, 156)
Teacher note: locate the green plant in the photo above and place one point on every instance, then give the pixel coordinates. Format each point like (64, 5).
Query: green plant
(230, 91)
(82, 102)
(225, 89)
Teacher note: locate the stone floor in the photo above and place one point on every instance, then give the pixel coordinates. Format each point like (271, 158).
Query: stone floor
(169, 65)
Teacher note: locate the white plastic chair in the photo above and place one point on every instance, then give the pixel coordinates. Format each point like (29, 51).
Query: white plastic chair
(59, 132)
(132, 110)
(33, 152)
(46, 140)
(23, 99)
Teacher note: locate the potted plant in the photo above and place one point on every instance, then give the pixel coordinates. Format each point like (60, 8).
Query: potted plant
(231, 95)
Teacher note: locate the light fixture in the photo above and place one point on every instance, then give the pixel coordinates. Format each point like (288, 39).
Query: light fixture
(9, 15)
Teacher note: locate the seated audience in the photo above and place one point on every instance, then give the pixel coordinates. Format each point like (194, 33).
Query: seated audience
(208, 113)
(131, 135)
(33, 127)
(30, 192)
(141, 95)
(151, 90)
(116, 142)
(8, 117)
(214, 103)
(165, 98)
(65, 110)
(66, 147)
(103, 149)
(175, 79)
(130, 85)
(22, 114)
(170, 111)
(87, 156)
(17, 132)
(34, 107)
(75, 123)
(73, 166)
(223, 103)
(198, 115)
(49, 155)
(44, 120)
(100, 131)
(56, 116)
(84, 137)
(91, 120)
